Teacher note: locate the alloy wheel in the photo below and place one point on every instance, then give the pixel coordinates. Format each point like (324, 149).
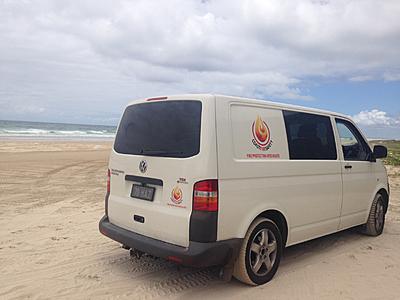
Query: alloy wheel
(263, 250)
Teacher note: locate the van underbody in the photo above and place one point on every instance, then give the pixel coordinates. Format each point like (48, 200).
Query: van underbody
(197, 254)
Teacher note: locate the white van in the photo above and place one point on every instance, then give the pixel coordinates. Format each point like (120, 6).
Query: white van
(207, 180)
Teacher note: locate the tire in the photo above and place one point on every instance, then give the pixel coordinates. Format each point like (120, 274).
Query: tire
(376, 218)
(260, 253)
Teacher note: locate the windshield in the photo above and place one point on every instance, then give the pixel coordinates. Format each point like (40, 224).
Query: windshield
(167, 128)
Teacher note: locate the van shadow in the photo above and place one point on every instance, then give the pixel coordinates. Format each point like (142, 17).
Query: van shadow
(160, 277)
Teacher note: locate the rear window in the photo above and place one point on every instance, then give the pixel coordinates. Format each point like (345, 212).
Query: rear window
(309, 136)
(167, 128)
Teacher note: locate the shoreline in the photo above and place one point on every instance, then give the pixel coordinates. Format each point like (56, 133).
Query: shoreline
(53, 145)
(55, 139)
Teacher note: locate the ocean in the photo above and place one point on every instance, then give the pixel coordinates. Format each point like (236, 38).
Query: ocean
(41, 130)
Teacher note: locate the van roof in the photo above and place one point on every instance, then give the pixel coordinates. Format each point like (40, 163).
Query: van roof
(250, 100)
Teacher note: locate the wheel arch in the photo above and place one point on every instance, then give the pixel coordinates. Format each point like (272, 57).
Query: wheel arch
(279, 219)
(380, 189)
(385, 196)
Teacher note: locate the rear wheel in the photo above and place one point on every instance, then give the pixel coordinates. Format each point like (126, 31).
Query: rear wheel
(376, 218)
(260, 254)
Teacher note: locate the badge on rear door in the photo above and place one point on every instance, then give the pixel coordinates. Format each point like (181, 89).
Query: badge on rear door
(143, 166)
(176, 195)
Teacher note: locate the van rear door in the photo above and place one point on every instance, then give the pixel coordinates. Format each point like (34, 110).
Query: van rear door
(161, 149)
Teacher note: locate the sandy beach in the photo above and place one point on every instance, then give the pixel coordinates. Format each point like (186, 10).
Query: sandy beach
(52, 197)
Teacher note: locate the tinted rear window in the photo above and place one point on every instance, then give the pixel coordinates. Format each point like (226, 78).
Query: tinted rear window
(309, 136)
(167, 128)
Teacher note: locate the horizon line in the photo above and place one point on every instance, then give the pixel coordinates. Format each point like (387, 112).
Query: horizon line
(66, 123)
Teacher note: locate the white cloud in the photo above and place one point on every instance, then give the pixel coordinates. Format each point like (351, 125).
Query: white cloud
(391, 76)
(376, 118)
(96, 54)
(361, 78)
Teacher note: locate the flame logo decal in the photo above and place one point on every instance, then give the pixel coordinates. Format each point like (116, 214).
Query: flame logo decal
(176, 195)
(261, 133)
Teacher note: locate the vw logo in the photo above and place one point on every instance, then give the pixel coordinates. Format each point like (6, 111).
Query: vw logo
(143, 166)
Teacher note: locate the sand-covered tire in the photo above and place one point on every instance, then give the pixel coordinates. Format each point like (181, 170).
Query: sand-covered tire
(376, 218)
(260, 254)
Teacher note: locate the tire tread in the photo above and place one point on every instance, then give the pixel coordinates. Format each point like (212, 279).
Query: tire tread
(369, 227)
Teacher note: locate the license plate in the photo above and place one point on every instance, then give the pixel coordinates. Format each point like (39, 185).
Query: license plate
(142, 192)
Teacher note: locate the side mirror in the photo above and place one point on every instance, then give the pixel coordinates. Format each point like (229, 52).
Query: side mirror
(380, 151)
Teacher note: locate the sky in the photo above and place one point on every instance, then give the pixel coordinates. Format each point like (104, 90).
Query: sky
(83, 61)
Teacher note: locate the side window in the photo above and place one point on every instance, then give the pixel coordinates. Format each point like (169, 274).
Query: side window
(354, 146)
(309, 136)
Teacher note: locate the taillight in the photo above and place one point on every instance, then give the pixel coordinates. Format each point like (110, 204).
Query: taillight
(205, 195)
(108, 181)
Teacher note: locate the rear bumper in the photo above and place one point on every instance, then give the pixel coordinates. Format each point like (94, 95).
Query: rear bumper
(197, 254)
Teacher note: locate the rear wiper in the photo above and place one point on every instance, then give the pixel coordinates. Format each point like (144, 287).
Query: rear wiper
(159, 152)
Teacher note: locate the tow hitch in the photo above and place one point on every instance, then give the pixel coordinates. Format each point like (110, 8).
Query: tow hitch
(136, 253)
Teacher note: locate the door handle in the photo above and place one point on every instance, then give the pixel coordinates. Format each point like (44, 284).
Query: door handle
(348, 166)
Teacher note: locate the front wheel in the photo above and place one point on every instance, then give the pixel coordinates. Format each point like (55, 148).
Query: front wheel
(376, 218)
(260, 254)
